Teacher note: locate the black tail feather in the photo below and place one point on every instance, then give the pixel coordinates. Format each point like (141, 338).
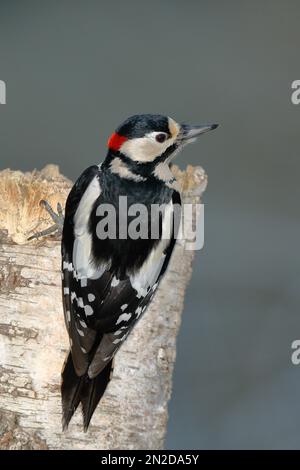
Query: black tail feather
(92, 393)
(76, 389)
(70, 391)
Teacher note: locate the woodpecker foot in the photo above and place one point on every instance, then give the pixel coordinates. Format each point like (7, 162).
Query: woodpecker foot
(58, 219)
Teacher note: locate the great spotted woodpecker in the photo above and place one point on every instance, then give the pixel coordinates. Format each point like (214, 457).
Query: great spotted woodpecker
(109, 282)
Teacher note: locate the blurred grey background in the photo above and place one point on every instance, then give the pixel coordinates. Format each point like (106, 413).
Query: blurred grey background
(75, 69)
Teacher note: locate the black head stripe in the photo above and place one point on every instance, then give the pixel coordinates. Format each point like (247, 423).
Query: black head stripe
(144, 169)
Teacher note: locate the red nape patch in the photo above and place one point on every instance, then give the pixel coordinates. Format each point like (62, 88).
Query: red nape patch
(115, 141)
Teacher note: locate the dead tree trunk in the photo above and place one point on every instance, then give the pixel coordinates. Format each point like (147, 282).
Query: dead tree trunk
(33, 341)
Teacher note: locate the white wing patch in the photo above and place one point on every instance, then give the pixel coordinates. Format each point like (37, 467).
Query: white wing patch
(138, 312)
(83, 239)
(114, 281)
(123, 317)
(88, 310)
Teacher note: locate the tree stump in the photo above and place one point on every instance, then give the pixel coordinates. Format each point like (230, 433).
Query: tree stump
(33, 340)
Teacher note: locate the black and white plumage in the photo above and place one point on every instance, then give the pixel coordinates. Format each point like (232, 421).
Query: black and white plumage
(108, 283)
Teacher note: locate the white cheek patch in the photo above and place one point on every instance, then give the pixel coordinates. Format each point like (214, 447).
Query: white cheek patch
(141, 149)
(145, 149)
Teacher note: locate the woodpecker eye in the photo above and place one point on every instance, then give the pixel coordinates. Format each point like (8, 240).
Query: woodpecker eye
(161, 138)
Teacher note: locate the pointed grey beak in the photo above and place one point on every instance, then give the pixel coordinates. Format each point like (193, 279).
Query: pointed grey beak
(190, 133)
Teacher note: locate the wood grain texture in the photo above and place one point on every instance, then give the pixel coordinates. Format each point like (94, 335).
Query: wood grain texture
(33, 341)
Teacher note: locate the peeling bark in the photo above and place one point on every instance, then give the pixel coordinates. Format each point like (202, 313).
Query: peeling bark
(33, 341)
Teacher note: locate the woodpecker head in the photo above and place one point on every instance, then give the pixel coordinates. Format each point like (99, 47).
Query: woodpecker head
(143, 146)
(152, 138)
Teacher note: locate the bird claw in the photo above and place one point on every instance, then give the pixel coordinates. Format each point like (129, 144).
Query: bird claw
(57, 217)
